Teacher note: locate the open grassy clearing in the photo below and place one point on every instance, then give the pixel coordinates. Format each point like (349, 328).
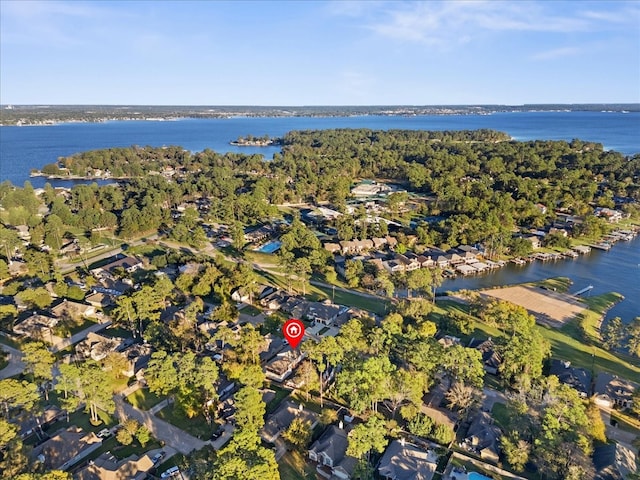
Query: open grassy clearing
(196, 426)
(143, 399)
(293, 466)
(566, 343)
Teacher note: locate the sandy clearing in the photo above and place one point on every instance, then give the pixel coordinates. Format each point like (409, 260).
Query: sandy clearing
(548, 307)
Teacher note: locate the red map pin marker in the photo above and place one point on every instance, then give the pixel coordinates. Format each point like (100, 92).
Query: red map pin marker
(293, 331)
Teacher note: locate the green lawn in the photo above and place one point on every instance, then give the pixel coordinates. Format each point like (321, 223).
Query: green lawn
(500, 415)
(294, 466)
(196, 426)
(281, 394)
(250, 310)
(557, 284)
(566, 343)
(144, 399)
(380, 306)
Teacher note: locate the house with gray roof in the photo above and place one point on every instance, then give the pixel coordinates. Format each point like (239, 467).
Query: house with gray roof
(278, 422)
(577, 378)
(404, 461)
(614, 462)
(611, 390)
(330, 454)
(482, 437)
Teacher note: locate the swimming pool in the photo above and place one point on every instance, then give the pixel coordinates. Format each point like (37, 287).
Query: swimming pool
(476, 476)
(269, 247)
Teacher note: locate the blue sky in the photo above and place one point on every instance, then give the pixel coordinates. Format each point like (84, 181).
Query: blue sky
(319, 52)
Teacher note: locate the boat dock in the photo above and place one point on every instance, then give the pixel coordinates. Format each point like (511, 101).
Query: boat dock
(584, 290)
(606, 246)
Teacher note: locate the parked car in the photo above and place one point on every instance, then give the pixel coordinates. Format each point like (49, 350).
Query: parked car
(217, 434)
(104, 433)
(157, 457)
(170, 472)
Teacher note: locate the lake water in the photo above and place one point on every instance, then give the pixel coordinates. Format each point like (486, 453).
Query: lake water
(26, 148)
(616, 270)
(32, 147)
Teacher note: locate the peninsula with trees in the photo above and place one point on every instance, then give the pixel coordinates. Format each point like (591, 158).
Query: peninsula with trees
(141, 321)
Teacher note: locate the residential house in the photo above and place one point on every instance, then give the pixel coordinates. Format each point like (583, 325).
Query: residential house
(138, 356)
(577, 378)
(426, 261)
(282, 365)
(535, 241)
(324, 312)
(98, 346)
(491, 359)
(449, 341)
(37, 327)
(442, 261)
(23, 232)
(99, 300)
(482, 437)
(611, 390)
(393, 266)
(391, 241)
(614, 461)
(330, 453)
(378, 243)
(74, 310)
(408, 263)
(278, 422)
(455, 259)
(108, 467)
(612, 216)
(404, 461)
(129, 264)
(66, 448)
(332, 247)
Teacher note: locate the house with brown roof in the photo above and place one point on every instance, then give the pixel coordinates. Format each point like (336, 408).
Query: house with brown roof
(71, 309)
(108, 467)
(37, 327)
(66, 448)
(404, 461)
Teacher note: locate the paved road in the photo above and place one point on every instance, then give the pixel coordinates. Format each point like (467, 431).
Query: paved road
(16, 365)
(169, 434)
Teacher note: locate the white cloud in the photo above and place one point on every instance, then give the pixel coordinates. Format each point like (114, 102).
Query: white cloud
(444, 22)
(557, 53)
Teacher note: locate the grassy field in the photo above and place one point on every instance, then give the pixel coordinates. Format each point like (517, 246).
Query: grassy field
(294, 466)
(143, 399)
(500, 415)
(196, 426)
(379, 306)
(566, 344)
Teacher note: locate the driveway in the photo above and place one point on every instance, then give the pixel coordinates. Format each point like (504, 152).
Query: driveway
(16, 365)
(78, 337)
(164, 431)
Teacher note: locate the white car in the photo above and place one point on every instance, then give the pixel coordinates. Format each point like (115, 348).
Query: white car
(104, 433)
(170, 472)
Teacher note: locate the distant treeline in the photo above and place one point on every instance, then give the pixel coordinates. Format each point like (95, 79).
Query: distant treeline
(34, 115)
